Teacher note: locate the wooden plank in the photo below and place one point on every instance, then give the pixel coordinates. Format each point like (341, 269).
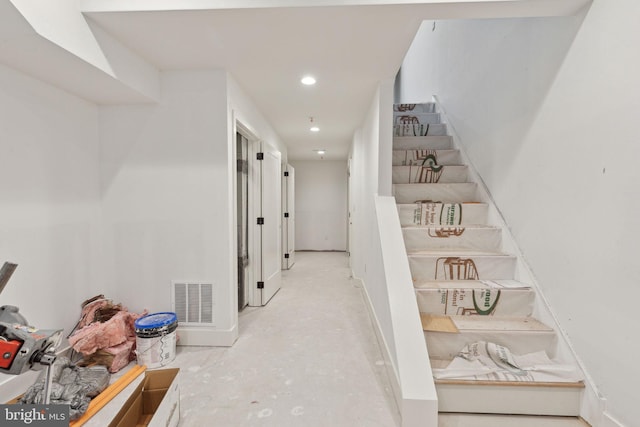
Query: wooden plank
(436, 323)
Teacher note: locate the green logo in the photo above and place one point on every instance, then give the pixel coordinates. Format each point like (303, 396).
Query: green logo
(485, 303)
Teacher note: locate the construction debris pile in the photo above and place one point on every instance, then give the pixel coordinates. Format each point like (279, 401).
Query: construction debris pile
(71, 385)
(105, 334)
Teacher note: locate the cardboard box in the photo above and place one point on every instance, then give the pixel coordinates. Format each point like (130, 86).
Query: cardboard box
(154, 403)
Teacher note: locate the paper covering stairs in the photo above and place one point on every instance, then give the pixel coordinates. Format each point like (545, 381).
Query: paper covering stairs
(488, 354)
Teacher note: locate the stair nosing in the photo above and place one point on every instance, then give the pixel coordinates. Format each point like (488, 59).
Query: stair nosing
(497, 383)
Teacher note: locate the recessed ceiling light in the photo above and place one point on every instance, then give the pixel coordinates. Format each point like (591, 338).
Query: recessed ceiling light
(308, 80)
(320, 152)
(314, 129)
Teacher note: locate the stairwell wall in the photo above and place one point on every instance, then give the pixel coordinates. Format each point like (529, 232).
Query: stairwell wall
(546, 108)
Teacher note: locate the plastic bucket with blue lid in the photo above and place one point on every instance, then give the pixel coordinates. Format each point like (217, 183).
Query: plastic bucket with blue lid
(156, 339)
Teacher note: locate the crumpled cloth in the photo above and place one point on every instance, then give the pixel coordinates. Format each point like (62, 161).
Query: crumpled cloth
(489, 361)
(70, 385)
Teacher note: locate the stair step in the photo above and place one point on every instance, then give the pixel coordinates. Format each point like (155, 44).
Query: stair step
(522, 335)
(523, 398)
(415, 214)
(491, 420)
(426, 107)
(474, 297)
(429, 174)
(449, 238)
(448, 419)
(461, 266)
(445, 193)
(429, 129)
(415, 118)
(418, 157)
(431, 142)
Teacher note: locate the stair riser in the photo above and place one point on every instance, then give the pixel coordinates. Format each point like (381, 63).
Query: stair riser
(430, 129)
(439, 267)
(452, 238)
(427, 107)
(425, 174)
(413, 118)
(417, 157)
(494, 302)
(403, 143)
(438, 214)
(534, 400)
(446, 345)
(439, 193)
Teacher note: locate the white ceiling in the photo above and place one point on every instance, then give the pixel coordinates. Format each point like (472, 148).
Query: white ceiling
(267, 46)
(347, 49)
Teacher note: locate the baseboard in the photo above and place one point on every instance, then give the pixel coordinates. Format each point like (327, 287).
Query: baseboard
(206, 337)
(394, 380)
(609, 421)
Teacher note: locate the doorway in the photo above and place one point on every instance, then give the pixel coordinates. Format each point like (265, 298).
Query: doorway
(242, 210)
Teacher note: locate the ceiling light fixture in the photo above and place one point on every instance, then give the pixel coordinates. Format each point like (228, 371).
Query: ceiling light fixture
(320, 152)
(313, 127)
(308, 80)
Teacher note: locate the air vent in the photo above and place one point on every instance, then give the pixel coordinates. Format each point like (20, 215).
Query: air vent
(194, 303)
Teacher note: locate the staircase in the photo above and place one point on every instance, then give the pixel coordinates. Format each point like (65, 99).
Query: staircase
(482, 339)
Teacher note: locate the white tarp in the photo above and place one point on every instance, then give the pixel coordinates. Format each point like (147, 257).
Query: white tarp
(489, 361)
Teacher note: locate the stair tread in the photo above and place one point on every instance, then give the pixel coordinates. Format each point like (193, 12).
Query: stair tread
(438, 226)
(496, 383)
(457, 166)
(458, 192)
(417, 174)
(434, 142)
(413, 204)
(457, 252)
(470, 284)
(447, 419)
(492, 323)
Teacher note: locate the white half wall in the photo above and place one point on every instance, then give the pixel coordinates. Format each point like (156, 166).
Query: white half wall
(547, 109)
(321, 205)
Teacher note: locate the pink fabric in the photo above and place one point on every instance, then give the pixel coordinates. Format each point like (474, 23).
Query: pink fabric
(121, 355)
(102, 335)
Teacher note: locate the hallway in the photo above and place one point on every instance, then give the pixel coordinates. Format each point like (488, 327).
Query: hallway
(309, 358)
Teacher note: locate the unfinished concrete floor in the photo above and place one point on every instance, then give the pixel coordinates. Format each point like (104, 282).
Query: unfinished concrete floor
(308, 358)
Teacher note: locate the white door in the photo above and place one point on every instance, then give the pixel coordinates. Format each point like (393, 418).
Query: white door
(289, 218)
(269, 225)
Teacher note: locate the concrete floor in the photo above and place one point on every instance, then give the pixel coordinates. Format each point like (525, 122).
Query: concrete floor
(308, 358)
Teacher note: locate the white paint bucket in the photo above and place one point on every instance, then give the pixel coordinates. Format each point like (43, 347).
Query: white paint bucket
(156, 339)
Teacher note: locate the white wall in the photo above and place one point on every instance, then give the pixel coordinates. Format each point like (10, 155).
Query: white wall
(547, 111)
(321, 204)
(166, 189)
(49, 200)
(168, 176)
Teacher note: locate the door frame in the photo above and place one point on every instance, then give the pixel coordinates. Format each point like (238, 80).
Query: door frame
(253, 192)
(263, 233)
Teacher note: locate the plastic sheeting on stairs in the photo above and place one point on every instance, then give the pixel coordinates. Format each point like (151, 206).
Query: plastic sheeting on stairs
(489, 361)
